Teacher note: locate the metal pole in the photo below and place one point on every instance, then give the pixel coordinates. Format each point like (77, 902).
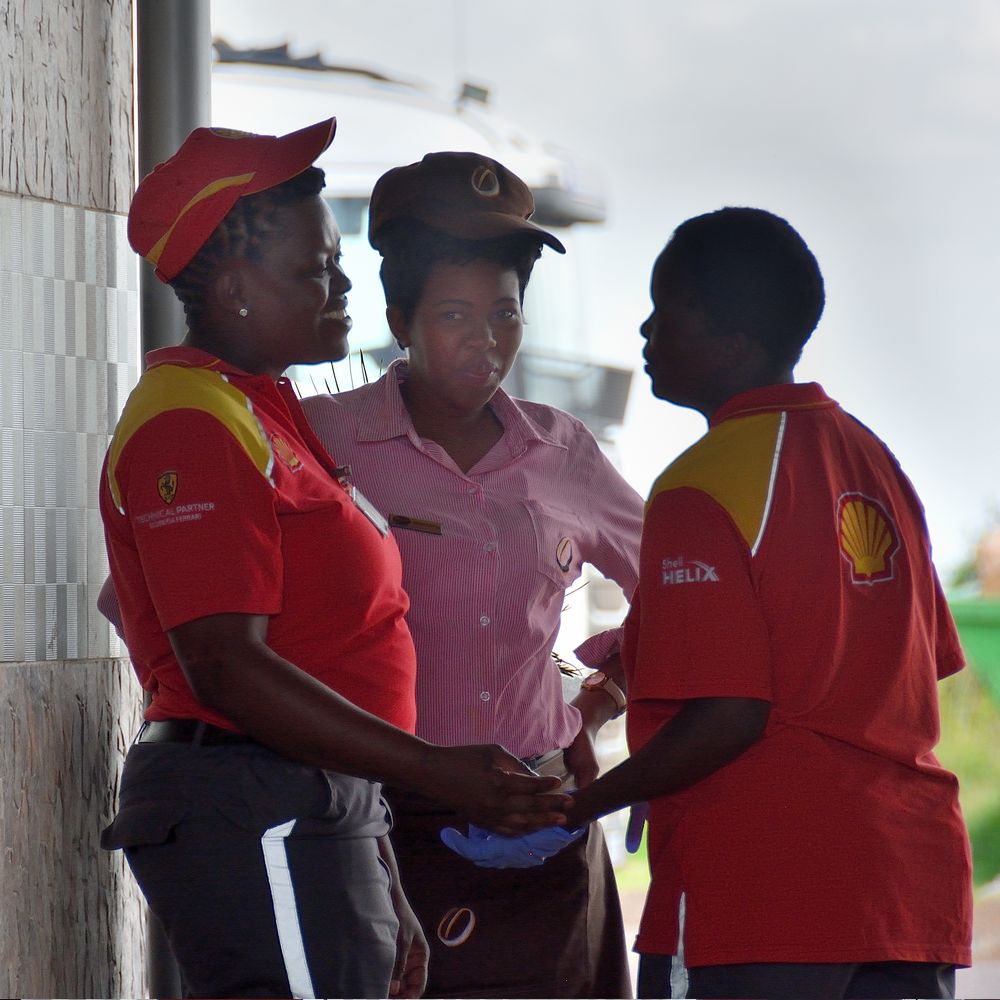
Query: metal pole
(174, 82)
(174, 75)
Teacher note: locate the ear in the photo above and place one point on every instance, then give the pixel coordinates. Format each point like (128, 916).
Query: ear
(744, 354)
(230, 287)
(398, 326)
(736, 349)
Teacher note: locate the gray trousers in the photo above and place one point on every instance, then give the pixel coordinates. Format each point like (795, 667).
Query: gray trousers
(265, 873)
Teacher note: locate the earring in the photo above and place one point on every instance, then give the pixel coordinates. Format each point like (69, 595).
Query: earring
(244, 312)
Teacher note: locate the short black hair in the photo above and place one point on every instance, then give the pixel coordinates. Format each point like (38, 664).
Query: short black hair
(750, 272)
(410, 250)
(242, 234)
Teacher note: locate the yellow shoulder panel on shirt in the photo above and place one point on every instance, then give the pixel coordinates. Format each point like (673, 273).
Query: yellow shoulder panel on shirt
(735, 464)
(175, 387)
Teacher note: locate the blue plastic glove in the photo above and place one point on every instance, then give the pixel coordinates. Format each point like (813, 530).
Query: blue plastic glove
(636, 821)
(492, 850)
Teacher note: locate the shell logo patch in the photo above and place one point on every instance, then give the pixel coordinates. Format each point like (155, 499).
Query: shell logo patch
(456, 926)
(868, 538)
(564, 553)
(284, 451)
(166, 486)
(485, 181)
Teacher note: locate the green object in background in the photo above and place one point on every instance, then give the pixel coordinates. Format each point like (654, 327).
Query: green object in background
(978, 621)
(970, 729)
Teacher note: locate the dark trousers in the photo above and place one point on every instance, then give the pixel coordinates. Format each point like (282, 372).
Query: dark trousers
(801, 981)
(551, 931)
(265, 874)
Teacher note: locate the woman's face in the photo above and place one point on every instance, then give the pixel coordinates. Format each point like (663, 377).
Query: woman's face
(464, 333)
(296, 295)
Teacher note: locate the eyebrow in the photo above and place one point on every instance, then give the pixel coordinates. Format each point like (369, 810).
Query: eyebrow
(324, 252)
(467, 302)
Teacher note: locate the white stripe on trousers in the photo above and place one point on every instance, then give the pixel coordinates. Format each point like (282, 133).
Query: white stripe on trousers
(286, 914)
(678, 971)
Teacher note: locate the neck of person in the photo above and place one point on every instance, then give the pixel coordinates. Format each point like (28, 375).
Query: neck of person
(725, 392)
(465, 433)
(237, 352)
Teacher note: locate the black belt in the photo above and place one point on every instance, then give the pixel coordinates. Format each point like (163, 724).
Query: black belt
(192, 731)
(541, 759)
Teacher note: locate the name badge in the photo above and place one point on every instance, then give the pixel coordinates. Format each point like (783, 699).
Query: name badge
(369, 510)
(415, 524)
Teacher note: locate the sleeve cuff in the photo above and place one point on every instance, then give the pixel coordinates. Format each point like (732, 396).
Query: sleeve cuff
(600, 647)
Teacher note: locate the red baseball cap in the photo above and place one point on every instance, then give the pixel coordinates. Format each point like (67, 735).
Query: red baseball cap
(179, 204)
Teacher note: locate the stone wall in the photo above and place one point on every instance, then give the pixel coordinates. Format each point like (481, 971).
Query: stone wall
(71, 921)
(66, 101)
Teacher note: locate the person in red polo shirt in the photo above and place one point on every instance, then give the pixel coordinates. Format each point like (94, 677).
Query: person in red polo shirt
(262, 605)
(782, 654)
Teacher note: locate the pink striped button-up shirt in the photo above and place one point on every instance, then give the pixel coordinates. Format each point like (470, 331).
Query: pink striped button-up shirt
(487, 592)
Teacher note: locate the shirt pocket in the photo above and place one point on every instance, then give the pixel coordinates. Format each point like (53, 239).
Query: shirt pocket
(558, 536)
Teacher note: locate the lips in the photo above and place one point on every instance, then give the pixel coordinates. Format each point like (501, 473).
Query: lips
(486, 368)
(481, 369)
(337, 312)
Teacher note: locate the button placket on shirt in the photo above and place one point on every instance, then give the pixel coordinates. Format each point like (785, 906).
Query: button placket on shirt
(475, 492)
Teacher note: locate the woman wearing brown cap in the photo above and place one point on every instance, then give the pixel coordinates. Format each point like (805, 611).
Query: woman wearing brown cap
(261, 602)
(496, 503)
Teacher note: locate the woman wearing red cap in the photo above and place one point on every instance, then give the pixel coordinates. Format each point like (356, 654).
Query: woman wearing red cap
(496, 503)
(262, 606)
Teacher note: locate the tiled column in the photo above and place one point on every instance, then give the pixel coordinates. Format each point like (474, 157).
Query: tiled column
(69, 356)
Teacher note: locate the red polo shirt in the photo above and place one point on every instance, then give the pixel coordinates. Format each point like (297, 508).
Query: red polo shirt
(216, 497)
(785, 557)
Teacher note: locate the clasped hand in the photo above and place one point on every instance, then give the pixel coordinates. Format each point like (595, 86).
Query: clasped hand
(492, 850)
(496, 790)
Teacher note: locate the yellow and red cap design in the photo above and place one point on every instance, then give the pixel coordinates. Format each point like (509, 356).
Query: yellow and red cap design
(179, 204)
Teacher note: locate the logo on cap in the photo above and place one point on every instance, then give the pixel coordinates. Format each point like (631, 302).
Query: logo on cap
(166, 486)
(869, 540)
(456, 926)
(485, 181)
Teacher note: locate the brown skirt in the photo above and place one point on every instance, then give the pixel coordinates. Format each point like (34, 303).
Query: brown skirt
(551, 931)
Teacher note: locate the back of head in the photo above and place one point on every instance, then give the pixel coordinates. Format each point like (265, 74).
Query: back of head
(750, 272)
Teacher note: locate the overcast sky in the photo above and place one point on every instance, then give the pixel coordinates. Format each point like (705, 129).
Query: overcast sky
(872, 125)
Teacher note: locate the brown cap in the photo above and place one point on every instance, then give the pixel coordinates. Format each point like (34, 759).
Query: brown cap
(179, 204)
(465, 195)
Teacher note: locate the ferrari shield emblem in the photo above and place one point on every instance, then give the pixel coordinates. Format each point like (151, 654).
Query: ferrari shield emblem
(166, 486)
